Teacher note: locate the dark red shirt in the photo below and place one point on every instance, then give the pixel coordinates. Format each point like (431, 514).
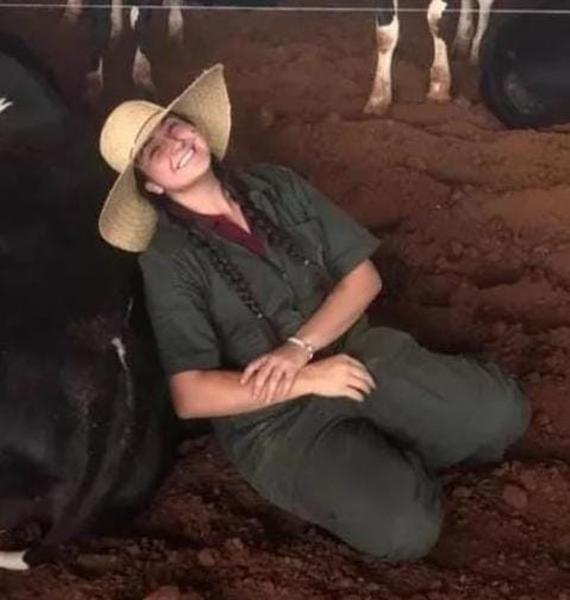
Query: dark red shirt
(225, 228)
(254, 241)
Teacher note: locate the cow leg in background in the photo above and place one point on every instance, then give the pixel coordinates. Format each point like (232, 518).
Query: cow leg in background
(465, 29)
(142, 73)
(387, 32)
(116, 19)
(484, 15)
(175, 21)
(72, 11)
(440, 74)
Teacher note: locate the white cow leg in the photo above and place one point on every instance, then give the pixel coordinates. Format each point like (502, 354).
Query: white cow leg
(465, 29)
(484, 15)
(175, 21)
(440, 74)
(94, 83)
(142, 72)
(387, 40)
(72, 11)
(116, 19)
(13, 561)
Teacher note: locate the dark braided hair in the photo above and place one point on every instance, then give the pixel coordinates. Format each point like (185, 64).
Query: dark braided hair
(234, 184)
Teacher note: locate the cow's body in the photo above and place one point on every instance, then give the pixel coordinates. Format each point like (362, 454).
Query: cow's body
(86, 429)
(525, 69)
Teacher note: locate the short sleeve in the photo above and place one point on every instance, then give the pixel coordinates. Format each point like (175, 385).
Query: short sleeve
(347, 243)
(178, 312)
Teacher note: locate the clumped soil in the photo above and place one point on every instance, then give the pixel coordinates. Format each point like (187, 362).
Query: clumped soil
(475, 223)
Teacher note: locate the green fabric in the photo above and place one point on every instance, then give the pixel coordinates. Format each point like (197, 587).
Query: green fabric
(365, 472)
(198, 319)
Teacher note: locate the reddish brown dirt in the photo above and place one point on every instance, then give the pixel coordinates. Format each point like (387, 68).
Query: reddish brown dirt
(476, 255)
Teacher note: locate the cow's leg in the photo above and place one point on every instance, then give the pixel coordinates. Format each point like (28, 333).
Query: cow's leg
(142, 73)
(72, 11)
(116, 19)
(440, 74)
(465, 29)
(387, 32)
(484, 14)
(94, 82)
(13, 561)
(175, 21)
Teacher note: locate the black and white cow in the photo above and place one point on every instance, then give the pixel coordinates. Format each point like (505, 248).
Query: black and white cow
(86, 430)
(525, 68)
(467, 41)
(109, 25)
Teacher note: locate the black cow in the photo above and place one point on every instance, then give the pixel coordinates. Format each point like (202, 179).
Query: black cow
(86, 429)
(108, 24)
(525, 68)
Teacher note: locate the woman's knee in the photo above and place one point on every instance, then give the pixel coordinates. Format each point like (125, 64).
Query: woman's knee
(509, 415)
(409, 533)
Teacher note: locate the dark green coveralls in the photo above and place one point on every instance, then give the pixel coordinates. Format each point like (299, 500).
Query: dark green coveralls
(363, 471)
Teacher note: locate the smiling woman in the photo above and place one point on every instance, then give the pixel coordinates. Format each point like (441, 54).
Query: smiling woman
(257, 288)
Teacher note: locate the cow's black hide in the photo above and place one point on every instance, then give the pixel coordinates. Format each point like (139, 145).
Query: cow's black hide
(525, 67)
(86, 429)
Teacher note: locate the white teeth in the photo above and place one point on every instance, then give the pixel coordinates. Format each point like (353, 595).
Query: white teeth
(186, 158)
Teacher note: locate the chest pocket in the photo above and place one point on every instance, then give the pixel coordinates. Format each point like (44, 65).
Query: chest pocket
(242, 339)
(308, 234)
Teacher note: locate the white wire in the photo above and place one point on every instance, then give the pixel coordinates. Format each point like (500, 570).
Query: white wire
(312, 9)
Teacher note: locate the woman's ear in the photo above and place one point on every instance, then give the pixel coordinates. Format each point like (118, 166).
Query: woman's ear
(153, 188)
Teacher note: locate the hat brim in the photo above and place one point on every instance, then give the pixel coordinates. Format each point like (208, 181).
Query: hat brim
(127, 220)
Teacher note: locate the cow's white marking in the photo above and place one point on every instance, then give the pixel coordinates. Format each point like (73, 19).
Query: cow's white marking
(73, 10)
(465, 29)
(483, 22)
(142, 73)
(94, 82)
(175, 21)
(386, 40)
(121, 351)
(13, 561)
(4, 104)
(116, 19)
(440, 75)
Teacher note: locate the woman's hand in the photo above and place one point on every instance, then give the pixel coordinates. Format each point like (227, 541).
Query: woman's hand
(275, 372)
(340, 375)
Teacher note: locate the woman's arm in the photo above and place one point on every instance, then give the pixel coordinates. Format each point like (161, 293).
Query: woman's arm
(343, 306)
(217, 393)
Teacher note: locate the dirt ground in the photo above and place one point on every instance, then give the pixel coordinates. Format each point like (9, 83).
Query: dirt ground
(476, 256)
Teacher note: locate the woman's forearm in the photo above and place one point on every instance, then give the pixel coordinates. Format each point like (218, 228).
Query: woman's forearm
(343, 306)
(216, 393)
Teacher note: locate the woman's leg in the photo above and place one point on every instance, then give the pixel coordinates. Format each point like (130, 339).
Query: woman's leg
(343, 475)
(449, 409)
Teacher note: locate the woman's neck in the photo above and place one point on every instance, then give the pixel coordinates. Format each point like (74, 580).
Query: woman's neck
(206, 196)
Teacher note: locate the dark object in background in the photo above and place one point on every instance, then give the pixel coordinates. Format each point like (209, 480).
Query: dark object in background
(86, 428)
(525, 68)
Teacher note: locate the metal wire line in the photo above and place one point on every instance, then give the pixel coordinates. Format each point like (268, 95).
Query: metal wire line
(300, 9)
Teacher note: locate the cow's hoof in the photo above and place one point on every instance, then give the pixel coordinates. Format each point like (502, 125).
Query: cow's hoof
(377, 107)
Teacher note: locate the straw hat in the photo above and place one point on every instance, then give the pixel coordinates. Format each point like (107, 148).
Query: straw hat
(127, 219)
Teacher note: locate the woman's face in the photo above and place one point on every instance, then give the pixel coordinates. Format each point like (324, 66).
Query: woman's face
(174, 157)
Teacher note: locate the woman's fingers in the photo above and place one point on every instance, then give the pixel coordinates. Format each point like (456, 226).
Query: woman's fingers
(271, 386)
(252, 368)
(361, 370)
